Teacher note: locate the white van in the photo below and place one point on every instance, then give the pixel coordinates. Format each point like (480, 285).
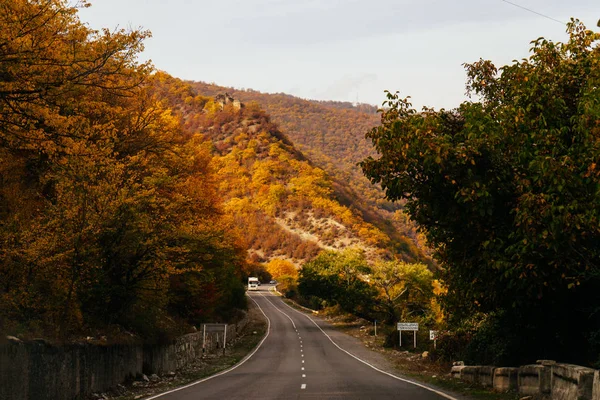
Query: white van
(253, 283)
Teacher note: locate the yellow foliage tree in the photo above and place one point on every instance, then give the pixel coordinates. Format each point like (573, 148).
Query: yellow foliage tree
(279, 268)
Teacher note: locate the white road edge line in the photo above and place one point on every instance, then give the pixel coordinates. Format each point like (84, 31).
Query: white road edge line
(447, 396)
(229, 369)
(278, 309)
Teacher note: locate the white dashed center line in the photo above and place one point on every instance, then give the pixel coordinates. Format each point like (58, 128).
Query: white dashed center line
(304, 375)
(302, 368)
(303, 386)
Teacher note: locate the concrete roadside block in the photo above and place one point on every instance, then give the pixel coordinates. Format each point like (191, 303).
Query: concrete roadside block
(456, 371)
(596, 389)
(470, 374)
(572, 382)
(506, 379)
(485, 376)
(534, 380)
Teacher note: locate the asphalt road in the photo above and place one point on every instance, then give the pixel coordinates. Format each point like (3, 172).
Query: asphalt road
(301, 358)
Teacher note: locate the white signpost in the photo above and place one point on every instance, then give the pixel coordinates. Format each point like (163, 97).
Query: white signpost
(433, 336)
(408, 326)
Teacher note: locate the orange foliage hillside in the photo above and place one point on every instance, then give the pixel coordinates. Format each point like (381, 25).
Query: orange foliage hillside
(284, 205)
(332, 135)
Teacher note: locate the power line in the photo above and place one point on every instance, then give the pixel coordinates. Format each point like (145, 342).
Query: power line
(535, 12)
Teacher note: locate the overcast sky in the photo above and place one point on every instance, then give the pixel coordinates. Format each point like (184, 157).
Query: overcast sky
(339, 49)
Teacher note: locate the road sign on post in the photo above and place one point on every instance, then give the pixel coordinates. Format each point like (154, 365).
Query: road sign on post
(408, 326)
(433, 336)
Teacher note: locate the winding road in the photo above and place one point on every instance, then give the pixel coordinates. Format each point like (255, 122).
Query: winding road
(302, 357)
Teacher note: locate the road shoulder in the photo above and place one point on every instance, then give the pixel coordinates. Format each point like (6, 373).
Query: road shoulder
(203, 367)
(356, 336)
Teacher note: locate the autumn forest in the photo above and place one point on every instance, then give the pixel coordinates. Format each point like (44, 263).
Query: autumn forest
(133, 202)
(134, 205)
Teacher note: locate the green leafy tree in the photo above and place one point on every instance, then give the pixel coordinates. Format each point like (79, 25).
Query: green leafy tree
(338, 278)
(405, 290)
(507, 190)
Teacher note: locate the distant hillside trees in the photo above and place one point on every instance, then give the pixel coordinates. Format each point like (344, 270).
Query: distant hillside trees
(332, 136)
(279, 268)
(286, 275)
(507, 189)
(266, 182)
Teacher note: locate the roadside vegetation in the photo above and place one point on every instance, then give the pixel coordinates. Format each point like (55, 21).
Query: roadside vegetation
(110, 222)
(507, 190)
(385, 291)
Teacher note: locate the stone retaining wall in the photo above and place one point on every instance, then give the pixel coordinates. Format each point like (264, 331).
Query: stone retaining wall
(40, 371)
(544, 380)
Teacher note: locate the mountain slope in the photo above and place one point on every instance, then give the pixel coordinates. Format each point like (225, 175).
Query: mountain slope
(287, 207)
(332, 134)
